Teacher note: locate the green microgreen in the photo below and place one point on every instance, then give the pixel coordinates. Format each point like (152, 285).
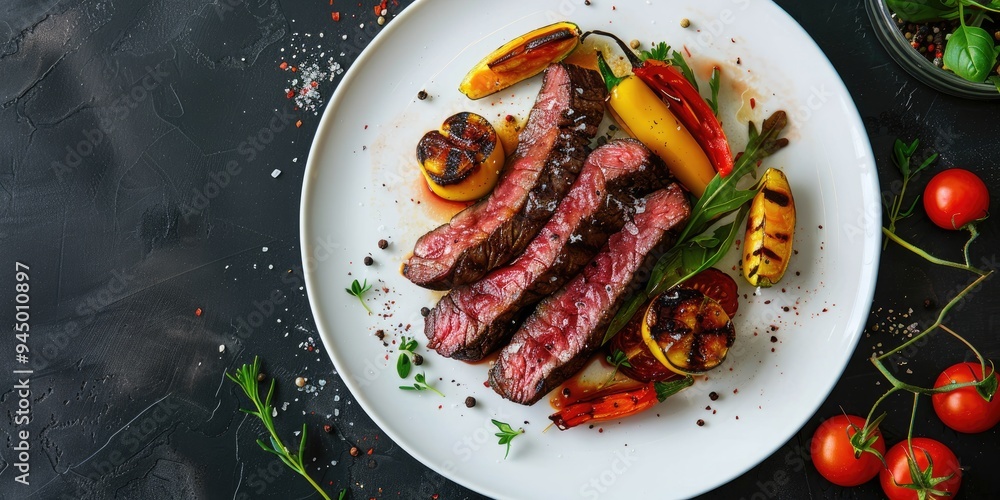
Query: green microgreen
(405, 361)
(506, 434)
(358, 290)
(420, 384)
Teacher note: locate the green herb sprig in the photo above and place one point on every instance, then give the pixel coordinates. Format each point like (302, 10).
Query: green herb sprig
(714, 83)
(617, 359)
(506, 434)
(358, 290)
(246, 378)
(420, 384)
(902, 156)
(406, 355)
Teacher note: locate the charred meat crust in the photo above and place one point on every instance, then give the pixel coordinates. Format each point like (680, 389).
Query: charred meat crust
(550, 153)
(567, 327)
(475, 319)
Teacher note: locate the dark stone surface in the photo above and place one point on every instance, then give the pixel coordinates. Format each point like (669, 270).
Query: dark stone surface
(137, 144)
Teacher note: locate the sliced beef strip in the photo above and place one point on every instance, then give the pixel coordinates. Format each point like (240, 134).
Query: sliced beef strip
(473, 320)
(551, 150)
(567, 327)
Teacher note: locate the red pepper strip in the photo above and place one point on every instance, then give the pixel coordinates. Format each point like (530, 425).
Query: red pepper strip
(691, 109)
(606, 407)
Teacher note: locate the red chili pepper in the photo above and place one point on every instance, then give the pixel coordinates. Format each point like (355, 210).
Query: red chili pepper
(691, 109)
(606, 407)
(686, 103)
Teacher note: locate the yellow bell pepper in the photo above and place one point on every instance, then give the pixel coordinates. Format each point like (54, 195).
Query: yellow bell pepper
(641, 113)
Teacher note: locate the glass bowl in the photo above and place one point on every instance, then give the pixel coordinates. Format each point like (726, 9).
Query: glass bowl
(915, 64)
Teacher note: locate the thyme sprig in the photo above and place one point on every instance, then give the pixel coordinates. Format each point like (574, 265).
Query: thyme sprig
(246, 378)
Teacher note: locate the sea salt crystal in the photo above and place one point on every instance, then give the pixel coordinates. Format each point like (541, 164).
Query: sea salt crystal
(275, 173)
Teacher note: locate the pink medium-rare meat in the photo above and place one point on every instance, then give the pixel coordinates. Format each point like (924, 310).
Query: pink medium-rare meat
(567, 327)
(474, 319)
(551, 150)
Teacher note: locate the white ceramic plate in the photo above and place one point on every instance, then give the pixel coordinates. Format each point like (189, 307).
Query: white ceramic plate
(362, 185)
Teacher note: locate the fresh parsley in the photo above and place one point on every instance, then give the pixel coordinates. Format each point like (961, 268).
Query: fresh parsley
(658, 53)
(420, 384)
(506, 434)
(246, 378)
(662, 52)
(358, 290)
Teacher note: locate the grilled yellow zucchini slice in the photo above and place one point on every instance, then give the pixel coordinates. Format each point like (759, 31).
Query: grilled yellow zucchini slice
(767, 247)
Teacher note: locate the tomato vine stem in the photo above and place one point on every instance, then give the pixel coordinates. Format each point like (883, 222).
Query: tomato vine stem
(935, 260)
(940, 318)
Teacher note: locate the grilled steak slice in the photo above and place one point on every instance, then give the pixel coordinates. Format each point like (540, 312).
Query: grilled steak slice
(567, 327)
(551, 150)
(472, 320)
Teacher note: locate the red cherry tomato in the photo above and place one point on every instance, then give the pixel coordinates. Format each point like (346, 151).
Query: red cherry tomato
(964, 409)
(956, 197)
(945, 465)
(717, 285)
(833, 455)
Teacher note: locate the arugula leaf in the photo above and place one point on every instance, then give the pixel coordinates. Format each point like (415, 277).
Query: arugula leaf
(721, 194)
(666, 389)
(970, 53)
(713, 83)
(678, 60)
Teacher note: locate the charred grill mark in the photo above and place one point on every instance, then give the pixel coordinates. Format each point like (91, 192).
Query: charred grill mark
(767, 252)
(778, 198)
(532, 45)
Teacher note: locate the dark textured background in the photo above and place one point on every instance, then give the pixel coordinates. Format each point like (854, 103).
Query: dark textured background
(137, 140)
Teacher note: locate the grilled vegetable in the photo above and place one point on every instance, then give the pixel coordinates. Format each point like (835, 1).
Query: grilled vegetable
(686, 331)
(674, 84)
(617, 403)
(770, 230)
(642, 365)
(644, 116)
(520, 59)
(462, 161)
